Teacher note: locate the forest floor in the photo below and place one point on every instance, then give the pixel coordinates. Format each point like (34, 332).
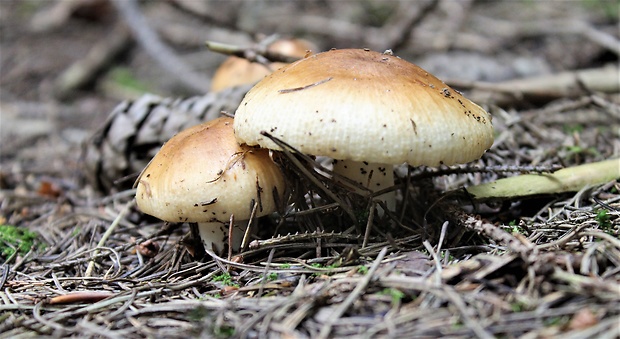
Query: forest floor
(80, 260)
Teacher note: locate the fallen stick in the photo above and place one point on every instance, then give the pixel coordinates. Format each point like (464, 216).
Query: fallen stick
(543, 88)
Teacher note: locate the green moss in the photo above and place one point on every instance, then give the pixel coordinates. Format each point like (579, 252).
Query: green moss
(226, 279)
(125, 78)
(395, 294)
(604, 220)
(520, 306)
(13, 238)
(442, 255)
(223, 331)
(556, 321)
(515, 228)
(326, 268)
(571, 151)
(572, 128)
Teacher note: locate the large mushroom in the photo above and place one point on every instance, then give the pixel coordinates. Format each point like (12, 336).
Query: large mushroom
(368, 110)
(202, 175)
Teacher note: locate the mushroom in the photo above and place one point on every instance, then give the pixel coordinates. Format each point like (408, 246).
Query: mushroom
(202, 175)
(236, 71)
(368, 110)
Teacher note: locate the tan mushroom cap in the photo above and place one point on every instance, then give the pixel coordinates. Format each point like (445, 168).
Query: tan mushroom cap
(235, 71)
(361, 105)
(203, 175)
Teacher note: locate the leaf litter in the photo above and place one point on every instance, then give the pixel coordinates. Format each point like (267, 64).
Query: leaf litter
(513, 267)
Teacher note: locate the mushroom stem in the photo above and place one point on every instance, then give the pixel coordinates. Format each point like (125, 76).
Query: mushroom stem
(374, 176)
(214, 235)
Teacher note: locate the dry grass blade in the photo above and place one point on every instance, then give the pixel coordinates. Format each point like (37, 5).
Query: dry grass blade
(107, 234)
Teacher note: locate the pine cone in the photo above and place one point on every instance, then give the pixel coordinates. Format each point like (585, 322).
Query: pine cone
(135, 130)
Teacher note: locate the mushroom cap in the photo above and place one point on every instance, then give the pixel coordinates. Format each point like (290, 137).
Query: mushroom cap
(203, 175)
(355, 104)
(235, 71)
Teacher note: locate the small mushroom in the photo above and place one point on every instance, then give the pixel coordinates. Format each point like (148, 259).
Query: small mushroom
(236, 71)
(368, 110)
(202, 175)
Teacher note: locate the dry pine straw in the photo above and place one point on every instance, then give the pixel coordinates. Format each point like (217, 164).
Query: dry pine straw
(536, 267)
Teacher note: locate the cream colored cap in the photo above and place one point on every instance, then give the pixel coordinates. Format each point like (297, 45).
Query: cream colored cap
(203, 175)
(355, 104)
